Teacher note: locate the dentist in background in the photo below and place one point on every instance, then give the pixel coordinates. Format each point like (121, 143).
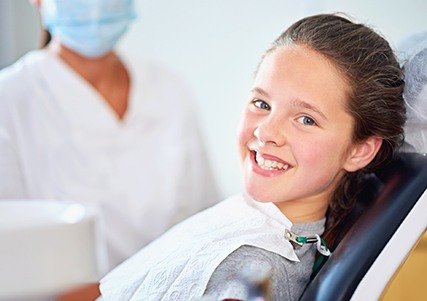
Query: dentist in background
(80, 122)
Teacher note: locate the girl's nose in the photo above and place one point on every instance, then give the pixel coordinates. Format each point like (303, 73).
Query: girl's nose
(270, 132)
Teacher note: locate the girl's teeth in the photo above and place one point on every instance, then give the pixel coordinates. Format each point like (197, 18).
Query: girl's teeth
(269, 164)
(260, 159)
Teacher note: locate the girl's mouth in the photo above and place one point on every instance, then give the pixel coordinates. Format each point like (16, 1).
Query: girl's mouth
(270, 164)
(267, 165)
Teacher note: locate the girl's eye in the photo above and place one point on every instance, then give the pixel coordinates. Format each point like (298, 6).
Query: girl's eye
(305, 120)
(261, 104)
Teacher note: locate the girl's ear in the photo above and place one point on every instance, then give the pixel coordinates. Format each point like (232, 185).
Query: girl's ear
(362, 153)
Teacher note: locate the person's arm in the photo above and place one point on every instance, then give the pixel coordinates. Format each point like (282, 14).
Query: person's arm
(197, 182)
(88, 292)
(12, 180)
(206, 192)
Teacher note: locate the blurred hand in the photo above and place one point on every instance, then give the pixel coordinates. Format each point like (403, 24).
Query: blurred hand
(87, 292)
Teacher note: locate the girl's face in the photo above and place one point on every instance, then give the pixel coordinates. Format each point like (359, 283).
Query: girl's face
(295, 135)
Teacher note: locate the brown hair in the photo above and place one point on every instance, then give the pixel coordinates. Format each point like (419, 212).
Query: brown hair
(375, 100)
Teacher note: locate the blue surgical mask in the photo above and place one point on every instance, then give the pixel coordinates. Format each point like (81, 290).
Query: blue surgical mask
(88, 27)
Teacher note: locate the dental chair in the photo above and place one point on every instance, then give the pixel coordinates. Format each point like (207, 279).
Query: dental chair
(389, 218)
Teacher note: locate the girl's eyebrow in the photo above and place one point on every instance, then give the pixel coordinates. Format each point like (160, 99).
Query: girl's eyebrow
(302, 104)
(296, 102)
(260, 91)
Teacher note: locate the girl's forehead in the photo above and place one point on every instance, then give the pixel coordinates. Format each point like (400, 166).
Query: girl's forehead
(303, 71)
(294, 58)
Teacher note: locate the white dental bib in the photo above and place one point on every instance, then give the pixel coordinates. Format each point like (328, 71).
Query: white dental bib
(179, 264)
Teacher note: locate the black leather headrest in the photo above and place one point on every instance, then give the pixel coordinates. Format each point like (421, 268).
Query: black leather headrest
(384, 203)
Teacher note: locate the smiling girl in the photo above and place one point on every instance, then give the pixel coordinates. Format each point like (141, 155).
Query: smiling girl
(325, 108)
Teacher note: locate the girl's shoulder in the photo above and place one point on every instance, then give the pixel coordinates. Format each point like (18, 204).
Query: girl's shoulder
(249, 265)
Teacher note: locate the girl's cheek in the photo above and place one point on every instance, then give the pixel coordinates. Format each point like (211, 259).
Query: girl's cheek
(244, 134)
(316, 151)
(308, 151)
(245, 126)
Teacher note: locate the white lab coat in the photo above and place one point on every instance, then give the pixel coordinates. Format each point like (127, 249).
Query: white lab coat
(60, 140)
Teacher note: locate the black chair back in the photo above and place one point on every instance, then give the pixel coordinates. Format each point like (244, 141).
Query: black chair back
(387, 199)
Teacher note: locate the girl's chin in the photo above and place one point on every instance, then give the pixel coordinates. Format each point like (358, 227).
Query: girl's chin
(259, 196)
(261, 200)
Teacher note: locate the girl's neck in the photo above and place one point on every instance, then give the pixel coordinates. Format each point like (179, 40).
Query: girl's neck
(303, 212)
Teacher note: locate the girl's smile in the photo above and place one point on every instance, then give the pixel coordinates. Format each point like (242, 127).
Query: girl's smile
(268, 165)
